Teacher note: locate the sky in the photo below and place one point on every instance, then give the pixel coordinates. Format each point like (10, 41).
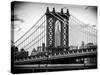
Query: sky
(26, 15)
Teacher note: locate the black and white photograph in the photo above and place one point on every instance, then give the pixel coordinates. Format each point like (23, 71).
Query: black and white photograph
(49, 37)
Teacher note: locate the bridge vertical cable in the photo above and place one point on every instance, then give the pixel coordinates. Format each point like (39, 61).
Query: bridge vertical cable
(32, 35)
(88, 34)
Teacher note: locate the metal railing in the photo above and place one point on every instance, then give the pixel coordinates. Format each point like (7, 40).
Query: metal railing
(67, 53)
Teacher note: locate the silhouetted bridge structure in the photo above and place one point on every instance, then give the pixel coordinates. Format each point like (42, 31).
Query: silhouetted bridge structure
(83, 53)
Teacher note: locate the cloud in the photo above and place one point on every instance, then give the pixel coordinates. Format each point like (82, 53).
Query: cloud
(92, 8)
(16, 18)
(15, 27)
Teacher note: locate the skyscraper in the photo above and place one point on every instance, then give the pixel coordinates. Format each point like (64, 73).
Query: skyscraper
(57, 33)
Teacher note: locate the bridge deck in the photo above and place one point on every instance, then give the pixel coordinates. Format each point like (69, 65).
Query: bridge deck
(71, 54)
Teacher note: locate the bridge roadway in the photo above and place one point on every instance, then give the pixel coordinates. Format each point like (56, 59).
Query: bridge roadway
(69, 54)
(52, 67)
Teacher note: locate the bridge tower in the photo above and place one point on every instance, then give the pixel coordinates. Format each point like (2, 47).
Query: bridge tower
(57, 30)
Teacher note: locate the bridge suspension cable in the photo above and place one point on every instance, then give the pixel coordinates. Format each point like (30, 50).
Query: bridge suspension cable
(34, 38)
(91, 31)
(80, 23)
(35, 42)
(88, 31)
(29, 29)
(32, 33)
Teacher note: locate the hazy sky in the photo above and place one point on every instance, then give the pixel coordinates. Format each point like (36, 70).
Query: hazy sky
(28, 13)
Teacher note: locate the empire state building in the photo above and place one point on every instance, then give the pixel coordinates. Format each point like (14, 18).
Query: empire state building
(57, 34)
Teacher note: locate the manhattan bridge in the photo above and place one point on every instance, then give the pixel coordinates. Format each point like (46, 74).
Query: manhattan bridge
(56, 38)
